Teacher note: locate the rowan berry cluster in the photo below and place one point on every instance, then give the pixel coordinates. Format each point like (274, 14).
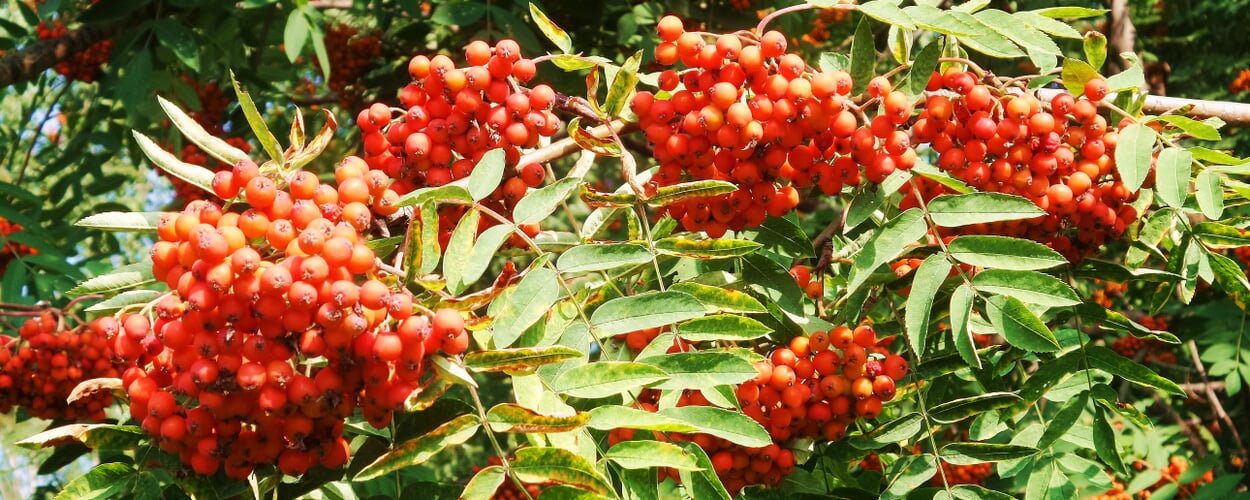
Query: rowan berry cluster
(962, 474)
(1061, 158)
(83, 66)
(42, 366)
(1241, 83)
(10, 250)
(277, 326)
(1147, 350)
(802, 275)
(1107, 292)
(750, 113)
(814, 388)
(351, 55)
(1170, 473)
(453, 116)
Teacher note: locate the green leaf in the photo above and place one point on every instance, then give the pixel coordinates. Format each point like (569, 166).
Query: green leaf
(963, 408)
(522, 359)
(102, 481)
(648, 454)
(961, 313)
(781, 235)
(606, 378)
(908, 473)
(423, 248)
(592, 257)
(722, 327)
(1075, 73)
(701, 370)
(623, 84)
(484, 483)
(257, 122)
(180, 40)
(648, 310)
(899, 42)
(1231, 278)
(885, 246)
(900, 429)
(486, 174)
(525, 305)
(1172, 176)
(687, 190)
(888, 13)
(922, 67)
(1107, 360)
(1028, 286)
(1004, 253)
(538, 204)
(1129, 79)
(194, 175)
(142, 222)
(863, 55)
(1062, 420)
(1199, 130)
(444, 193)
(295, 34)
(1071, 12)
(976, 492)
(975, 453)
(1095, 48)
(129, 297)
(541, 465)
(1217, 235)
(703, 484)
(508, 417)
(938, 21)
(1132, 154)
(1209, 193)
(1049, 374)
(458, 13)
(929, 277)
(458, 248)
(622, 417)
(988, 41)
(191, 129)
(1014, 30)
(717, 299)
(122, 278)
(1104, 441)
(94, 436)
(979, 208)
(1047, 25)
(706, 248)
(550, 30)
(1018, 325)
(483, 251)
(418, 451)
(725, 424)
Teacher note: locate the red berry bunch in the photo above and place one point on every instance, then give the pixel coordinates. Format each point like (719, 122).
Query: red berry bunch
(1241, 83)
(454, 116)
(1061, 158)
(40, 368)
(194, 155)
(1149, 350)
(351, 55)
(962, 474)
(1171, 473)
(277, 326)
(754, 115)
(802, 275)
(82, 66)
(11, 249)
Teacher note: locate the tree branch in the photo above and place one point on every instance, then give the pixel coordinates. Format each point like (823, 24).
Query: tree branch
(37, 57)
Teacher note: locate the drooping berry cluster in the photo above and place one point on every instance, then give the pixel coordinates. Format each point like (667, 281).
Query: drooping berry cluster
(40, 368)
(454, 116)
(1061, 158)
(10, 250)
(962, 474)
(277, 326)
(351, 56)
(754, 115)
(83, 66)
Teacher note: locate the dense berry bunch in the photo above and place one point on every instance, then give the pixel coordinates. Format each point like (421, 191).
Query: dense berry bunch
(11, 249)
(1146, 350)
(351, 55)
(452, 116)
(814, 388)
(40, 368)
(1171, 473)
(278, 326)
(750, 113)
(1061, 158)
(1241, 83)
(1107, 292)
(82, 66)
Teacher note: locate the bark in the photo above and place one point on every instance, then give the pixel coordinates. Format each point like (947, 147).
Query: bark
(34, 59)
(1121, 36)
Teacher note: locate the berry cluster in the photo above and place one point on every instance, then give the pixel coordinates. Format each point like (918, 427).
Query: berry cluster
(40, 368)
(194, 155)
(1149, 350)
(1061, 158)
(802, 275)
(277, 326)
(82, 66)
(819, 33)
(962, 474)
(752, 114)
(351, 55)
(1241, 83)
(814, 388)
(1108, 292)
(454, 116)
(10, 250)
(1171, 473)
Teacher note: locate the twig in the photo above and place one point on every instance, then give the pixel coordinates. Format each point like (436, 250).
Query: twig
(1216, 406)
